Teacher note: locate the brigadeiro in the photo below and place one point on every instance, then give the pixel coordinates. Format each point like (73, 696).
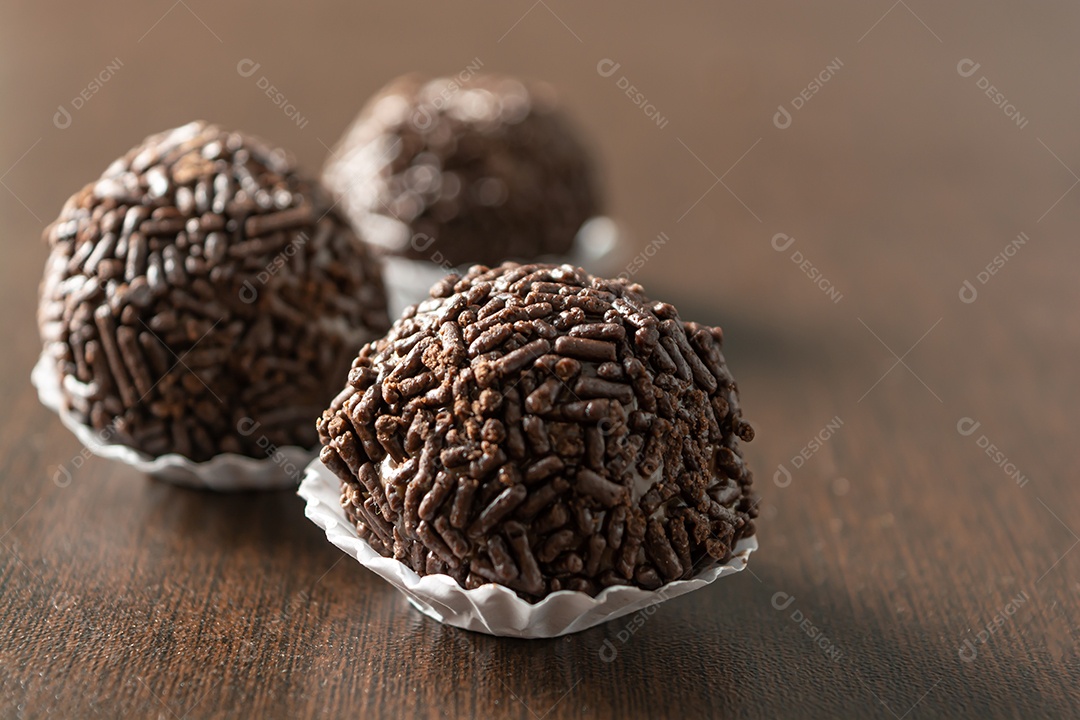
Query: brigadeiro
(203, 297)
(454, 171)
(540, 428)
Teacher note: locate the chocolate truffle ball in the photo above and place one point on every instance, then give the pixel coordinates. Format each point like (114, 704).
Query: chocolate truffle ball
(461, 171)
(203, 297)
(544, 429)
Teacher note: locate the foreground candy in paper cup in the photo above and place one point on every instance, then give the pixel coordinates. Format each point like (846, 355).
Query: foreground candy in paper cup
(596, 248)
(225, 472)
(491, 608)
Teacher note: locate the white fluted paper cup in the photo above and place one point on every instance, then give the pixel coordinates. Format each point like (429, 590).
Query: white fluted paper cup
(492, 608)
(596, 248)
(226, 472)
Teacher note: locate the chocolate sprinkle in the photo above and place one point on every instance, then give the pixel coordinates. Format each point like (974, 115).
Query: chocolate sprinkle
(202, 297)
(476, 170)
(530, 469)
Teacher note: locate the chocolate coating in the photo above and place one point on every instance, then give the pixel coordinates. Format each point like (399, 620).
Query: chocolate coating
(202, 297)
(461, 171)
(541, 428)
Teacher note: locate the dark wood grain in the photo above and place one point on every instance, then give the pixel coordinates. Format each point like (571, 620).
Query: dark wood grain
(897, 541)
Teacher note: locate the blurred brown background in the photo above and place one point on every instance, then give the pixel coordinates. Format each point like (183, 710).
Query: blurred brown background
(899, 179)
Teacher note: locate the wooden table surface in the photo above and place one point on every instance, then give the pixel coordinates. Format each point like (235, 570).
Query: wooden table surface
(827, 179)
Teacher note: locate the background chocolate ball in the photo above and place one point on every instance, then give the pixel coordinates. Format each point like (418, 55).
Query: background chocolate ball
(462, 170)
(202, 297)
(538, 427)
